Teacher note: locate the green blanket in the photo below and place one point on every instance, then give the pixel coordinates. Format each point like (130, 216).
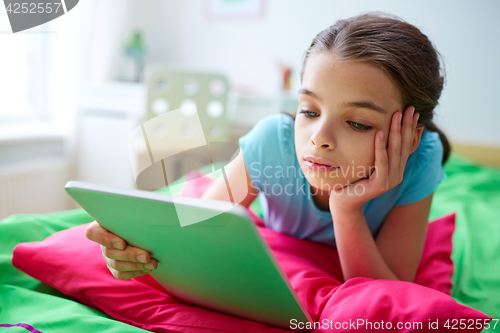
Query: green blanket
(472, 191)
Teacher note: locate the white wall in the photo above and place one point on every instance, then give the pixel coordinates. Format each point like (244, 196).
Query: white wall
(465, 32)
(89, 41)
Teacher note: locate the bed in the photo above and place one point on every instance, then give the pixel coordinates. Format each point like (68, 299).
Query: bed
(472, 190)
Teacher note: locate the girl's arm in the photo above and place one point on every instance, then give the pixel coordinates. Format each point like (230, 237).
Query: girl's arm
(240, 185)
(395, 254)
(402, 236)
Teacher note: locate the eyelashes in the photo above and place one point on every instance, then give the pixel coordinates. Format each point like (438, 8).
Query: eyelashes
(306, 113)
(359, 127)
(354, 125)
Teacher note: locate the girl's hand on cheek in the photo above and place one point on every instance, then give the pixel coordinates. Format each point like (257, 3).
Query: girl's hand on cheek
(389, 166)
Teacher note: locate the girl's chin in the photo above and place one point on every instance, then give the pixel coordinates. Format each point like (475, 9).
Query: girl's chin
(326, 184)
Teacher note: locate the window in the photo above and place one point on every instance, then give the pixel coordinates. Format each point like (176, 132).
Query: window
(23, 68)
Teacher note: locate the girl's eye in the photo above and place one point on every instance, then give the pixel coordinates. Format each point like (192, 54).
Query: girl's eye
(359, 127)
(308, 113)
(356, 126)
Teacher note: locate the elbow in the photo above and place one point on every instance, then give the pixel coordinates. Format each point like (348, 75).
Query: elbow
(381, 273)
(412, 280)
(379, 276)
(406, 277)
(405, 273)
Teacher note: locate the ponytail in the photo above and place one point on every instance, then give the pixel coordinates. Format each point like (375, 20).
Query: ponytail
(444, 140)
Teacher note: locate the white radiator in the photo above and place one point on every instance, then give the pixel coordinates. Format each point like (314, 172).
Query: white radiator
(34, 187)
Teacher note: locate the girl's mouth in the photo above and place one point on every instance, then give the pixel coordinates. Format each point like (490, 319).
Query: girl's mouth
(320, 167)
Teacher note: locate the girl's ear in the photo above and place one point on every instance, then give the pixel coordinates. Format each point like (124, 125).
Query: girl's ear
(416, 138)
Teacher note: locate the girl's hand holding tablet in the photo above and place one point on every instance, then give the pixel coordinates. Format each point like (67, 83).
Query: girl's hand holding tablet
(124, 261)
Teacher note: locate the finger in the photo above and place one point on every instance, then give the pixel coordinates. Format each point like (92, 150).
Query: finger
(126, 275)
(131, 253)
(410, 123)
(394, 148)
(129, 266)
(415, 126)
(95, 232)
(416, 115)
(381, 159)
(408, 131)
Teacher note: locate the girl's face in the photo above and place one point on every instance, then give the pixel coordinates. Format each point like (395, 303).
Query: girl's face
(341, 107)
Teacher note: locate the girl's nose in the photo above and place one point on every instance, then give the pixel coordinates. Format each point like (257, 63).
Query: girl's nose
(323, 138)
(323, 145)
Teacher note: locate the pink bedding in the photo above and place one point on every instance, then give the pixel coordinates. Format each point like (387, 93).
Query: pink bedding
(71, 263)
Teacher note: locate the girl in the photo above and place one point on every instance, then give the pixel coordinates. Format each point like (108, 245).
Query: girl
(356, 167)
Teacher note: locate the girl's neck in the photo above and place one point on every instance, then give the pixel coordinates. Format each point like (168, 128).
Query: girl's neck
(321, 199)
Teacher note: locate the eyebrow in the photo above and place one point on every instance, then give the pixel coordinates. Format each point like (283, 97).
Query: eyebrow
(365, 105)
(358, 104)
(310, 93)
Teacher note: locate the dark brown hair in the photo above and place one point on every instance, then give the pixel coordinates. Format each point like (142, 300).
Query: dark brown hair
(400, 49)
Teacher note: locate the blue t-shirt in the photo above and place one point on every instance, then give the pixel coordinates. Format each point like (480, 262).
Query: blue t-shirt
(285, 193)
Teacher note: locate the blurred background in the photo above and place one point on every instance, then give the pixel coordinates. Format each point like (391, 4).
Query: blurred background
(73, 89)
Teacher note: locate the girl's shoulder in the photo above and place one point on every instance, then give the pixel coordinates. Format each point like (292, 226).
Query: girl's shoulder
(268, 148)
(429, 153)
(273, 122)
(423, 171)
(272, 133)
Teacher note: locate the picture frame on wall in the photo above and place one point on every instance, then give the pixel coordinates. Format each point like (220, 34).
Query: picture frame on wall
(229, 10)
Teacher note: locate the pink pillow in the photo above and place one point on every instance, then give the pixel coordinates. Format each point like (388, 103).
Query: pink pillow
(65, 259)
